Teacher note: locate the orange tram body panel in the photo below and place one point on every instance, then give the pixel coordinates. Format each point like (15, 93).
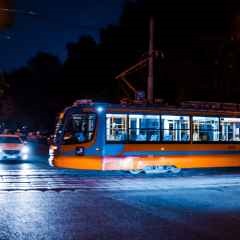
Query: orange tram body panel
(94, 136)
(139, 162)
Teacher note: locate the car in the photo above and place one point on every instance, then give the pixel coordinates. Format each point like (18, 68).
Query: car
(12, 147)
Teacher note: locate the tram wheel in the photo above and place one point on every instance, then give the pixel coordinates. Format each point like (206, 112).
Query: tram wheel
(135, 171)
(174, 169)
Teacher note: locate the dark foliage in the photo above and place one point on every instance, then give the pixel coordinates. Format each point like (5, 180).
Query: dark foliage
(199, 41)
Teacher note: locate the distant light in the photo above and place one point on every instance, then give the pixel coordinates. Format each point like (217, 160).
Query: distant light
(99, 109)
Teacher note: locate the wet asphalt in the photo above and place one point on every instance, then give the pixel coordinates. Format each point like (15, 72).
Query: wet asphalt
(205, 206)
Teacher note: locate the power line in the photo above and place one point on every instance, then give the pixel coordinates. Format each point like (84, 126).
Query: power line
(12, 10)
(4, 11)
(5, 36)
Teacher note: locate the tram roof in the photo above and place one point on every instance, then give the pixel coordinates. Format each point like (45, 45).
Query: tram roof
(188, 107)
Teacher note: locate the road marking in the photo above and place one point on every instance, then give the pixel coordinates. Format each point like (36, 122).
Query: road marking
(44, 180)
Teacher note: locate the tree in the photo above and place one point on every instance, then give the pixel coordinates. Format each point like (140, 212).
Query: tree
(35, 90)
(82, 69)
(189, 34)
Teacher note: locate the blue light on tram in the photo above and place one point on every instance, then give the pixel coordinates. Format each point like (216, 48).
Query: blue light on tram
(100, 109)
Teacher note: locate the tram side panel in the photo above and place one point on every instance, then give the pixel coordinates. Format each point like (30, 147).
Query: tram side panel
(138, 156)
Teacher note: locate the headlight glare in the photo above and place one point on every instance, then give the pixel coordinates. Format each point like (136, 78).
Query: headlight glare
(25, 149)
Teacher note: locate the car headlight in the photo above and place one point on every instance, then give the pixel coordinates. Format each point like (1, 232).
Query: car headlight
(25, 149)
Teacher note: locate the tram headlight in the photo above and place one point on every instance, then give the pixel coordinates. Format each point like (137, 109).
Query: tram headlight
(52, 150)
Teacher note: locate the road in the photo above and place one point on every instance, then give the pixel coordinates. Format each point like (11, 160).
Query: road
(40, 202)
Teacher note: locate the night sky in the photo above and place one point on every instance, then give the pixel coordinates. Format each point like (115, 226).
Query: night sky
(60, 22)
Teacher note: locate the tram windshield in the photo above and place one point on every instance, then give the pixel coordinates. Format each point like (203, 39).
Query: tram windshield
(79, 128)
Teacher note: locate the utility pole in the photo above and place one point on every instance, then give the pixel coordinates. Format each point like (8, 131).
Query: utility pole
(150, 82)
(148, 61)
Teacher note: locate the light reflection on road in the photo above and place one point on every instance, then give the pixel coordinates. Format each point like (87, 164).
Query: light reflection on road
(29, 179)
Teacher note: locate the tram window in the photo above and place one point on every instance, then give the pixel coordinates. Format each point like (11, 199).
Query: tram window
(175, 128)
(116, 129)
(230, 129)
(79, 128)
(205, 129)
(144, 128)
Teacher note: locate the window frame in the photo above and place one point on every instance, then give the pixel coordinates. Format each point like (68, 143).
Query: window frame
(111, 141)
(143, 142)
(205, 142)
(174, 142)
(127, 141)
(227, 142)
(161, 141)
(66, 118)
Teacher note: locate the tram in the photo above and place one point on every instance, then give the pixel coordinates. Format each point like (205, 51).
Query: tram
(146, 138)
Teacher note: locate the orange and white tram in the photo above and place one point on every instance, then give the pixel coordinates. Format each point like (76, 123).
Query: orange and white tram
(149, 138)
